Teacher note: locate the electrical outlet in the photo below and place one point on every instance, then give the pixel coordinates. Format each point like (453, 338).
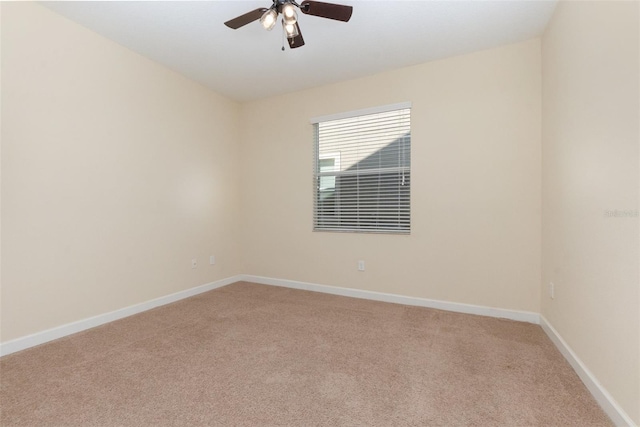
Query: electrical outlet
(360, 265)
(552, 290)
(212, 260)
(194, 263)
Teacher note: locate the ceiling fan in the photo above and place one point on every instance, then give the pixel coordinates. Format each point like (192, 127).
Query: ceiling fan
(269, 17)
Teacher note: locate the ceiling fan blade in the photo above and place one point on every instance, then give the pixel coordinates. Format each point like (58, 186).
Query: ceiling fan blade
(327, 10)
(245, 19)
(296, 41)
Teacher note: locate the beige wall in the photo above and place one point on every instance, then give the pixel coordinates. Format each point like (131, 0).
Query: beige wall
(475, 184)
(590, 166)
(116, 172)
(0, 176)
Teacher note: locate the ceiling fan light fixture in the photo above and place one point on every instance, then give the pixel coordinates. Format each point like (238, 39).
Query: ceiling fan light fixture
(289, 15)
(268, 19)
(289, 11)
(290, 29)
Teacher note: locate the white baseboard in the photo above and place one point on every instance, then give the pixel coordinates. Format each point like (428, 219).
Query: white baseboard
(38, 338)
(522, 316)
(602, 396)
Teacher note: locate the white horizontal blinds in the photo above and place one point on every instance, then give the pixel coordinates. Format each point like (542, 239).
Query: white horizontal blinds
(363, 173)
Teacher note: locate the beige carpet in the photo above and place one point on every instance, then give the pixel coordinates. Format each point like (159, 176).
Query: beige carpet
(253, 355)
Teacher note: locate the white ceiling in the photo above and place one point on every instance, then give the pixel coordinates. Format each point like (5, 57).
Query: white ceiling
(245, 64)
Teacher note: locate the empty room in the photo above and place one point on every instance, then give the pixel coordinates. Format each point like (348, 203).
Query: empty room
(360, 213)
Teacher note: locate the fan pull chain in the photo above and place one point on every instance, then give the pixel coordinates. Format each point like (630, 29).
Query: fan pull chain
(283, 38)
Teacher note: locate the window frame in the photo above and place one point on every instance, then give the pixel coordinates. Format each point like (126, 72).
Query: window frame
(402, 228)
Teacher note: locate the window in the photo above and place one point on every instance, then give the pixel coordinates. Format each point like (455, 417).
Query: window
(362, 171)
